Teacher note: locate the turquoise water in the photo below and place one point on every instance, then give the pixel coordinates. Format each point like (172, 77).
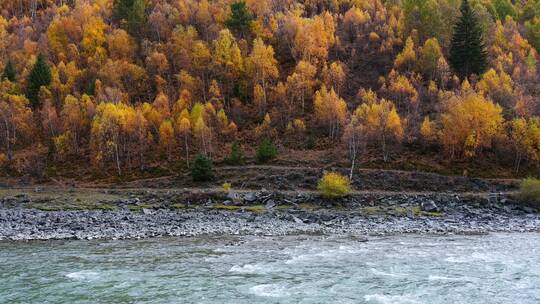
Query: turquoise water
(497, 268)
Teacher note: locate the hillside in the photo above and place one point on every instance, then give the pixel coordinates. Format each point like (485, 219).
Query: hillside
(110, 91)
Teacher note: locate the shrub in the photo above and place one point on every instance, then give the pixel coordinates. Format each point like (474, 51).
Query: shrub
(530, 191)
(202, 169)
(334, 185)
(266, 151)
(236, 157)
(227, 187)
(3, 160)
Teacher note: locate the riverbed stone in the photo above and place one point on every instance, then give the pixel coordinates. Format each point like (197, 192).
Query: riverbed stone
(429, 206)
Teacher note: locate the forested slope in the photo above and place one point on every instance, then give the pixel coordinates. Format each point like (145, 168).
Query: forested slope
(121, 86)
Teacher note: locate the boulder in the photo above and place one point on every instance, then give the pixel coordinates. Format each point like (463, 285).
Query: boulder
(429, 206)
(270, 204)
(250, 197)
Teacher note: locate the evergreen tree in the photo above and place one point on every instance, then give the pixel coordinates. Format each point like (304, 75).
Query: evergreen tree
(467, 53)
(136, 18)
(131, 14)
(266, 151)
(121, 9)
(202, 169)
(91, 88)
(237, 156)
(39, 76)
(9, 72)
(240, 19)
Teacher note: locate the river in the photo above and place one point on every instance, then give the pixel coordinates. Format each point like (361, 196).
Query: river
(495, 268)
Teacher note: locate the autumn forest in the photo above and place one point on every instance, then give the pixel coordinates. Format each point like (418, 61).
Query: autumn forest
(121, 86)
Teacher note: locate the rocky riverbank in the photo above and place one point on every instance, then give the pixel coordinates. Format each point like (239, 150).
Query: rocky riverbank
(265, 213)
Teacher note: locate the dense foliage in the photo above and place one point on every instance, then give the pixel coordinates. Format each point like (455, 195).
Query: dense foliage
(202, 170)
(129, 84)
(266, 151)
(530, 191)
(334, 185)
(237, 156)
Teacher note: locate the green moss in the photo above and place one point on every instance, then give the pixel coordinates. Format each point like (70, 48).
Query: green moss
(371, 210)
(46, 207)
(256, 209)
(308, 206)
(397, 211)
(178, 206)
(432, 214)
(226, 207)
(283, 207)
(141, 207)
(105, 207)
(529, 191)
(62, 206)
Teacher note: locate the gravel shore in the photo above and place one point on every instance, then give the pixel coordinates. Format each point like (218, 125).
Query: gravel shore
(361, 216)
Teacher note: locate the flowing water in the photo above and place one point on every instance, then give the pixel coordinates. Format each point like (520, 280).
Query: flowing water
(496, 268)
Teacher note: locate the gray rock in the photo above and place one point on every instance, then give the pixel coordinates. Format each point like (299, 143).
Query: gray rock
(250, 197)
(429, 206)
(270, 204)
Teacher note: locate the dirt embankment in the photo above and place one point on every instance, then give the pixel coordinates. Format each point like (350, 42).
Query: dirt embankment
(293, 178)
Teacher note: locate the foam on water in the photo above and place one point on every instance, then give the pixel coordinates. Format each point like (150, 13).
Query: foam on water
(250, 268)
(475, 257)
(84, 275)
(386, 274)
(452, 279)
(390, 299)
(321, 254)
(269, 290)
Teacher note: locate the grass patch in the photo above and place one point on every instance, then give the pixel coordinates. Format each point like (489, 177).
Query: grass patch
(46, 207)
(63, 206)
(256, 209)
(308, 206)
(283, 207)
(397, 211)
(226, 207)
(431, 214)
(529, 191)
(141, 207)
(178, 206)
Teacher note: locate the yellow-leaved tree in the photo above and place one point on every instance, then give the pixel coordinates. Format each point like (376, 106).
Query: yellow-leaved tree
(166, 137)
(330, 110)
(15, 122)
(300, 83)
(183, 130)
(470, 123)
(525, 135)
(381, 122)
(261, 65)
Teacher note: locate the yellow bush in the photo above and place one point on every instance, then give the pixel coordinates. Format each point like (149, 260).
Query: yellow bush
(227, 187)
(334, 185)
(530, 191)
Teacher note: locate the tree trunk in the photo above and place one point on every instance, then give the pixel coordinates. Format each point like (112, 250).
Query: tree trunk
(353, 161)
(187, 151)
(117, 156)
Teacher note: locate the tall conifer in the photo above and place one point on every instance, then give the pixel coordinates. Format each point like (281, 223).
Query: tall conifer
(39, 76)
(9, 72)
(467, 53)
(240, 19)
